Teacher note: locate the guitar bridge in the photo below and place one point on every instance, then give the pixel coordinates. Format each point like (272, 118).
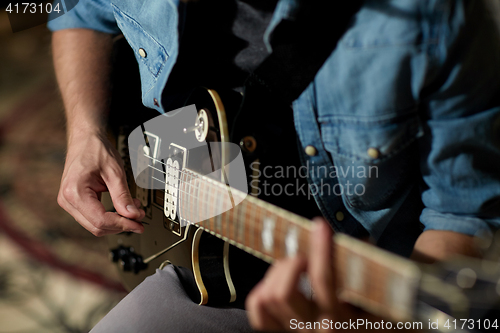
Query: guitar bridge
(147, 161)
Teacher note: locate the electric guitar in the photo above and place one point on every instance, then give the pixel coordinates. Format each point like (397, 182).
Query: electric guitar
(223, 271)
(221, 238)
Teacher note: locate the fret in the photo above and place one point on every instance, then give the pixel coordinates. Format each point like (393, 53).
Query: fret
(232, 226)
(235, 222)
(241, 223)
(268, 235)
(291, 241)
(211, 203)
(228, 222)
(206, 207)
(185, 199)
(258, 229)
(195, 199)
(246, 223)
(354, 274)
(187, 188)
(213, 197)
(279, 235)
(176, 188)
(380, 282)
(219, 210)
(182, 196)
(192, 198)
(216, 210)
(199, 201)
(197, 187)
(304, 240)
(206, 202)
(375, 291)
(399, 292)
(251, 227)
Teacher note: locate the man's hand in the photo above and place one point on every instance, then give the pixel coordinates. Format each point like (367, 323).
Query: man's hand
(276, 300)
(82, 64)
(93, 166)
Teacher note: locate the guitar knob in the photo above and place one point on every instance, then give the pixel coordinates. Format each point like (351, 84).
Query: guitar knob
(133, 263)
(118, 253)
(129, 260)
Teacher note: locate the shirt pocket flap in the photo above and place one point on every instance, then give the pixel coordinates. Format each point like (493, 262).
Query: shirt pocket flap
(146, 49)
(370, 141)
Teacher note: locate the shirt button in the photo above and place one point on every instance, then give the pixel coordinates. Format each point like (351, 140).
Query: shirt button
(373, 153)
(339, 216)
(311, 151)
(155, 101)
(142, 53)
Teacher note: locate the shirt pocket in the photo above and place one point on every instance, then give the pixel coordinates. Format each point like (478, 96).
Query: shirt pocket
(150, 54)
(374, 159)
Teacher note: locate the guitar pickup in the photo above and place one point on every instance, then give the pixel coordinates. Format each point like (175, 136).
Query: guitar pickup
(173, 167)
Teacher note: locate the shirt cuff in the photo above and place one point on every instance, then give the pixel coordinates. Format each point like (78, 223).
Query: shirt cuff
(469, 225)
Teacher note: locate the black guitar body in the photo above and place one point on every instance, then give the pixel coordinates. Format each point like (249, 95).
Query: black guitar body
(264, 129)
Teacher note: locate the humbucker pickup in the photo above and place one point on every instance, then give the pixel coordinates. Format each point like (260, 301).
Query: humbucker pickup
(173, 166)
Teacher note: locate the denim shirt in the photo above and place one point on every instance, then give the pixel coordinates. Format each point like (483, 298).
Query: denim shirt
(404, 114)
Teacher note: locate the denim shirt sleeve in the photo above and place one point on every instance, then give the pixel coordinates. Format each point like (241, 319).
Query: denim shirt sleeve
(460, 97)
(88, 14)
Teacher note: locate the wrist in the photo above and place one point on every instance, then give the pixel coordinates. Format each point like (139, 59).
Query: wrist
(86, 124)
(85, 131)
(438, 245)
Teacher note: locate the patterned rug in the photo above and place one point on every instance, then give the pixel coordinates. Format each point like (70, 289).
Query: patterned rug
(54, 275)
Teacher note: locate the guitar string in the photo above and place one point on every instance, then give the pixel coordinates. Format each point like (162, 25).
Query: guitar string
(193, 177)
(211, 202)
(280, 231)
(220, 185)
(188, 183)
(191, 174)
(160, 161)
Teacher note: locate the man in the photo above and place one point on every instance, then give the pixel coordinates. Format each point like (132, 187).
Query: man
(411, 91)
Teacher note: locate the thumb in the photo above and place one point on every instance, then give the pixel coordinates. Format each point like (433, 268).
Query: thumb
(120, 195)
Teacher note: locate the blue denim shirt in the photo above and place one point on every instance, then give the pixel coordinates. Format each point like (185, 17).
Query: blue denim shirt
(405, 111)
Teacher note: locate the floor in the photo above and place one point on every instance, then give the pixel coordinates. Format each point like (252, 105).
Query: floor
(54, 276)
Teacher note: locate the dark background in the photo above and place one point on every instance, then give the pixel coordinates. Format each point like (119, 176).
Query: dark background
(54, 275)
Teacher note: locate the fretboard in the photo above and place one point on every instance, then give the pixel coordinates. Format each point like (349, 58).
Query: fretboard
(371, 278)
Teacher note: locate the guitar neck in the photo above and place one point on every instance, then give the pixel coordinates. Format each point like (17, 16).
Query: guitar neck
(371, 278)
(259, 228)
